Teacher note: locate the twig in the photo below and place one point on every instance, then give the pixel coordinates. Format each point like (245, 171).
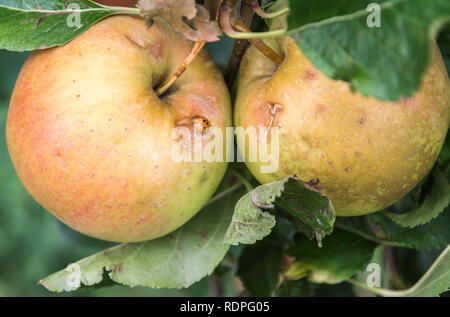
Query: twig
(224, 193)
(216, 286)
(264, 15)
(213, 7)
(240, 46)
(242, 179)
(224, 19)
(180, 70)
(375, 290)
(392, 267)
(260, 45)
(368, 236)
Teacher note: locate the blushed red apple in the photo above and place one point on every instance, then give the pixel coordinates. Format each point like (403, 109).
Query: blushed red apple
(92, 142)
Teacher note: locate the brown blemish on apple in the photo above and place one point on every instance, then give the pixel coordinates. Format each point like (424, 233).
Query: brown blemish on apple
(203, 104)
(309, 74)
(320, 109)
(410, 103)
(156, 49)
(133, 38)
(274, 110)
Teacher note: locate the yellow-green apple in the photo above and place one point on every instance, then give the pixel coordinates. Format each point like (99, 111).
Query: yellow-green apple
(366, 153)
(93, 143)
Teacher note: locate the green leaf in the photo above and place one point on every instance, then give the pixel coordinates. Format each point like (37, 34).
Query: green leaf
(294, 289)
(444, 157)
(430, 236)
(362, 227)
(305, 203)
(342, 255)
(433, 283)
(174, 261)
(259, 268)
(249, 224)
(305, 12)
(29, 25)
(386, 62)
(434, 203)
(311, 210)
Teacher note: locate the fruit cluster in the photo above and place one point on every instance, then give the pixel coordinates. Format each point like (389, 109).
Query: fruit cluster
(91, 140)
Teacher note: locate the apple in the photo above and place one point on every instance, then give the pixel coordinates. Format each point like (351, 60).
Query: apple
(92, 142)
(120, 3)
(365, 153)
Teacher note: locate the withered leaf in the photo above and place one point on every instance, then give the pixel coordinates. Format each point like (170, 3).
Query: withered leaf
(186, 17)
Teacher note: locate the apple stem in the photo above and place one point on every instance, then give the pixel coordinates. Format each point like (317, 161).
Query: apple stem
(224, 19)
(264, 15)
(180, 70)
(260, 45)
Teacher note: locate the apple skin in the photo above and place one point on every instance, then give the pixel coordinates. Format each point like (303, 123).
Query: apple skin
(366, 153)
(91, 141)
